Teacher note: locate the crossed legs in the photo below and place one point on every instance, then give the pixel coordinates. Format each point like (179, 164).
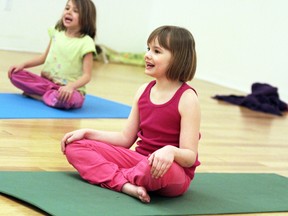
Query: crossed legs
(123, 170)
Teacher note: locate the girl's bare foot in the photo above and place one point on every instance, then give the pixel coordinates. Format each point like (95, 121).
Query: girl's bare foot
(136, 191)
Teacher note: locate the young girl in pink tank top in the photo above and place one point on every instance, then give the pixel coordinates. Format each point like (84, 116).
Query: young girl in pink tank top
(164, 122)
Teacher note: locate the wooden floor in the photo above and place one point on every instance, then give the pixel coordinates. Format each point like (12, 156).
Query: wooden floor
(234, 139)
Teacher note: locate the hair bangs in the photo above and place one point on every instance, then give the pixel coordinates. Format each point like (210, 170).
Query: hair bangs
(162, 35)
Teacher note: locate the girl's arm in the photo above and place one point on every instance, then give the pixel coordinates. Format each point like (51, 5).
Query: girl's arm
(67, 90)
(189, 109)
(87, 72)
(125, 138)
(38, 60)
(162, 159)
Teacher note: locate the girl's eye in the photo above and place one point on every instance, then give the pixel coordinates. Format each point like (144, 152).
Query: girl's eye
(75, 10)
(153, 50)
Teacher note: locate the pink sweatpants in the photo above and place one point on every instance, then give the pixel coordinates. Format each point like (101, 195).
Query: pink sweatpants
(112, 166)
(32, 83)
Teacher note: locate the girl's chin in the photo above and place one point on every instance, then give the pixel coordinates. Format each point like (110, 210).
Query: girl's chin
(65, 25)
(148, 72)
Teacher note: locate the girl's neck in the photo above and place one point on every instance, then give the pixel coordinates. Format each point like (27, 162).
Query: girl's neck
(163, 91)
(165, 84)
(72, 33)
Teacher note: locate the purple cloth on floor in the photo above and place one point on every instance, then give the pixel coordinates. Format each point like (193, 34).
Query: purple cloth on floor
(264, 98)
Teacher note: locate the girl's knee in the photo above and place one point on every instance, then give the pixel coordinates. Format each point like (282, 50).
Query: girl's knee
(51, 98)
(72, 152)
(174, 189)
(69, 150)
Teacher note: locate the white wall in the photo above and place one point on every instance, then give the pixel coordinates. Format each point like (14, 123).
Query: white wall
(238, 41)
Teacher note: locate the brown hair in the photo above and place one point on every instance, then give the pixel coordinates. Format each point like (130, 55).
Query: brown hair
(87, 18)
(180, 42)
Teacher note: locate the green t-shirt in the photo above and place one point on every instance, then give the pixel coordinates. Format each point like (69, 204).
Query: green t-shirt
(64, 61)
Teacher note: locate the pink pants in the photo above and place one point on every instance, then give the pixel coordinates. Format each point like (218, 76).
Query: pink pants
(111, 167)
(34, 84)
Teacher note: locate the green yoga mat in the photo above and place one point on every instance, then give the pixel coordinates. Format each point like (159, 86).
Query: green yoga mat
(64, 193)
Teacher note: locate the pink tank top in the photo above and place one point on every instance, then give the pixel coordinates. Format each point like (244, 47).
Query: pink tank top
(160, 124)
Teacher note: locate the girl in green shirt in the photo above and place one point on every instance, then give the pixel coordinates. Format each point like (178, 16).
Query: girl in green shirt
(68, 60)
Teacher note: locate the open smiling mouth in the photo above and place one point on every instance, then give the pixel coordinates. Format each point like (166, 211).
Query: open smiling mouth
(149, 65)
(68, 19)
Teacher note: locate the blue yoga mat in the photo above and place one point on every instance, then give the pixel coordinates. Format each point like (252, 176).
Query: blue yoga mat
(16, 106)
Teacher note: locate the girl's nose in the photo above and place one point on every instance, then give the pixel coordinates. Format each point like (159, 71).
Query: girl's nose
(148, 54)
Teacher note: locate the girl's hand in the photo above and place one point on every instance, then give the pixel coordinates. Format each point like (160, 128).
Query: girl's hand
(70, 137)
(160, 161)
(65, 93)
(14, 69)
